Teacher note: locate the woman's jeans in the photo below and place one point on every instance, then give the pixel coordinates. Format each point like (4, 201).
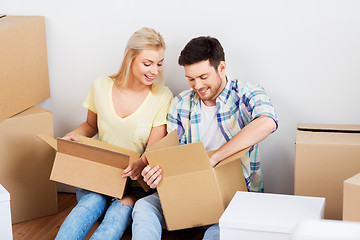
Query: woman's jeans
(91, 206)
(148, 220)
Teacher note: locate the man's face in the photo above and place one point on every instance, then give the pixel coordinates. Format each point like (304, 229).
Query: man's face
(206, 81)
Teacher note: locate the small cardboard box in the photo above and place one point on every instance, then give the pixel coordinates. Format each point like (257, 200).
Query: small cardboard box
(24, 77)
(5, 216)
(91, 164)
(191, 192)
(260, 216)
(25, 164)
(351, 204)
(325, 156)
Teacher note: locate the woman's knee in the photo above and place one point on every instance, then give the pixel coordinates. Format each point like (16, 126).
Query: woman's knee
(128, 200)
(93, 200)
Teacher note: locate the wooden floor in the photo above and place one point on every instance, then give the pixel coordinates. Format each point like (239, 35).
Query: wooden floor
(46, 228)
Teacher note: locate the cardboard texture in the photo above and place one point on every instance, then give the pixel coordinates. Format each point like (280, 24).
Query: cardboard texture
(351, 206)
(5, 216)
(325, 156)
(260, 216)
(91, 164)
(24, 77)
(192, 193)
(25, 164)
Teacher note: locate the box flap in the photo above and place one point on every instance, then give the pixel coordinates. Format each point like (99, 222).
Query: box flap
(92, 153)
(169, 140)
(49, 140)
(328, 128)
(230, 178)
(100, 144)
(179, 159)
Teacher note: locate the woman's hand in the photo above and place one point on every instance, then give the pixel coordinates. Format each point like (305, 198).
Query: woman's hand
(134, 169)
(70, 137)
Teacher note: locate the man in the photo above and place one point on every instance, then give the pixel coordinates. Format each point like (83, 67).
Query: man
(223, 114)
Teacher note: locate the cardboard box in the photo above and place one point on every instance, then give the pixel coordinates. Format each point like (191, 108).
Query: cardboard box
(192, 193)
(25, 164)
(351, 204)
(260, 216)
(24, 77)
(91, 164)
(325, 156)
(5, 217)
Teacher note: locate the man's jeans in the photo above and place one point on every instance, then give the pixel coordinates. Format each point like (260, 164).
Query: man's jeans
(148, 220)
(91, 206)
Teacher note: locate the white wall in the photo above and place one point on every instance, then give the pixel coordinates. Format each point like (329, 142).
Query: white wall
(306, 54)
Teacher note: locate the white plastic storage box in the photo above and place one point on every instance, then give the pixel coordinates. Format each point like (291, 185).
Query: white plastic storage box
(5, 216)
(259, 216)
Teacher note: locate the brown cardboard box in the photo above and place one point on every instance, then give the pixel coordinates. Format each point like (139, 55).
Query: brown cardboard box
(325, 156)
(25, 164)
(92, 165)
(351, 206)
(24, 77)
(192, 193)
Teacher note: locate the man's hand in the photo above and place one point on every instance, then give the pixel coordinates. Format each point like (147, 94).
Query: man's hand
(152, 176)
(134, 169)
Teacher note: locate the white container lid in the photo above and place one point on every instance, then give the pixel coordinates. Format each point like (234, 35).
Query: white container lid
(4, 195)
(270, 212)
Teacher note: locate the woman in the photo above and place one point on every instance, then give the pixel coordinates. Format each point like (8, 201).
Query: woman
(129, 110)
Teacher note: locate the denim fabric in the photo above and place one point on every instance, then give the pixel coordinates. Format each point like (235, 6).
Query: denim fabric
(91, 206)
(148, 218)
(148, 221)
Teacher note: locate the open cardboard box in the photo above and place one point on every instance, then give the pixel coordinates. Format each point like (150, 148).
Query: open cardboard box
(191, 192)
(91, 164)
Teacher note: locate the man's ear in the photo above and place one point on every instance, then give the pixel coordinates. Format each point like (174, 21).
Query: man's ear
(221, 67)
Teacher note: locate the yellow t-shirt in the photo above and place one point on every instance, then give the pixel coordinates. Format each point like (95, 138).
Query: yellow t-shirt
(131, 132)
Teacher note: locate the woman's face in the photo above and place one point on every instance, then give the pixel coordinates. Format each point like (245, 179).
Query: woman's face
(147, 65)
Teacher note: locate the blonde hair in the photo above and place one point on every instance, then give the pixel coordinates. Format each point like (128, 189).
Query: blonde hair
(145, 38)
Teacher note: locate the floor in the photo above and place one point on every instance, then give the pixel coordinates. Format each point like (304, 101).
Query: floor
(46, 228)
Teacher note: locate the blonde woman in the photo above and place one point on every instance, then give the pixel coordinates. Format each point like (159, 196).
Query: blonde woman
(129, 110)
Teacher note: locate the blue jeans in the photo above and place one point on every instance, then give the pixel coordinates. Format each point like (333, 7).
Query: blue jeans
(91, 206)
(148, 220)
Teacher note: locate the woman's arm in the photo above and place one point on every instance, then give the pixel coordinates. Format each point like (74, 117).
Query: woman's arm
(134, 169)
(87, 128)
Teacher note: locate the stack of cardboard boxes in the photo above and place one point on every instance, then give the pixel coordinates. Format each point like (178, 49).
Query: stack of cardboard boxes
(25, 160)
(325, 157)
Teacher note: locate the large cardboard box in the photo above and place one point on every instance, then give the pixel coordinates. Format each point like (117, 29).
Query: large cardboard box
(24, 77)
(351, 204)
(26, 162)
(325, 156)
(192, 193)
(91, 164)
(5, 217)
(259, 216)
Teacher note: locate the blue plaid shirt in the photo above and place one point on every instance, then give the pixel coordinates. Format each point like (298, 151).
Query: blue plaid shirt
(237, 105)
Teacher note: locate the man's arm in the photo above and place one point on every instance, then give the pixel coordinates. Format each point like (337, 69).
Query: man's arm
(256, 131)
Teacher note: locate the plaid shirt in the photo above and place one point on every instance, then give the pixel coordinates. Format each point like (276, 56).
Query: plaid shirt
(237, 105)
